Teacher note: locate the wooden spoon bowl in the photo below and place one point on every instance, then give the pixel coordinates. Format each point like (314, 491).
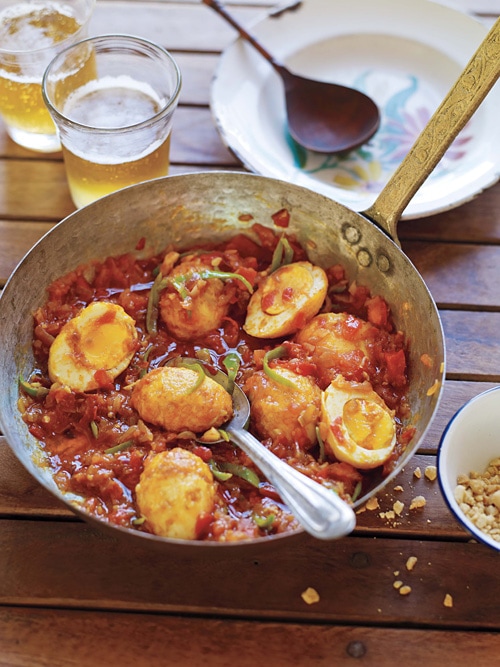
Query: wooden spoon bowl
(322, 117)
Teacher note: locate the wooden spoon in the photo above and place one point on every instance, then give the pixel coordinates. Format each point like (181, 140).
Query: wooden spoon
(323, 117)
(319, 510)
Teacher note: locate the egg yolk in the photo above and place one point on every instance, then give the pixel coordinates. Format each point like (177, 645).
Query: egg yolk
(283, 287)
(356, 425)
(105, 342)
(101, 338)
(285, 300)
(369, 425)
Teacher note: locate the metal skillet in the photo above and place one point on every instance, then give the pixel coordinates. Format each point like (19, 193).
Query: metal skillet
(200, 207)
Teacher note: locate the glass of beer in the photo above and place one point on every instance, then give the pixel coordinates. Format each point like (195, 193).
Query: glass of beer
(32, 32)
(113, 99)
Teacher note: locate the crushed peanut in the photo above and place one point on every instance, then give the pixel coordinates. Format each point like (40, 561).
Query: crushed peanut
(448, 600)
(398, 507)
(417, 473)
(431, 473)
(478, 496)
(372, 503)
(398, 488)
(405, 590)
(411, 562)
(310, 595)
(397, 584)
(417, 502)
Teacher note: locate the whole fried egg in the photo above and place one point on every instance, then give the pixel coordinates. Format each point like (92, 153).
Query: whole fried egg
(285, 300)
(356, 425)
(101, 338)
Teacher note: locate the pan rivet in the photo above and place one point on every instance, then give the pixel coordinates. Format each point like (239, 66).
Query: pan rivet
(364, 258)
(351, 234)
(383, 263)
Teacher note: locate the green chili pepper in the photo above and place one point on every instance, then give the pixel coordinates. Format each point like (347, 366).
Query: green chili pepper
(194, 367)
(179, 284)
(119, 448)
(224, 435)
(206, 274)
(271, 372)
(232, 365)
(217, 472)
(357, 491)
(138, 521)
(225, 275)
(33, 389)
(283, 254)
(277, 257)
(95, 429)
(144, 358)
(194, 253)
(203, 354)
(264, 521)
(154, 296)
(337, 289)
(322, 455)
(288, 251)
(241, 471)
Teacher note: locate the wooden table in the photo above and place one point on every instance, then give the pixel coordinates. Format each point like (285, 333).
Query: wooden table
(72, 595)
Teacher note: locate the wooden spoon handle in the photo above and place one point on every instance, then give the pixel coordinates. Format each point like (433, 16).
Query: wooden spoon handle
(220, 9)
(454, 112)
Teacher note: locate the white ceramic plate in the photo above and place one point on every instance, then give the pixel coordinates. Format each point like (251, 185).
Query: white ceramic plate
(405, 54)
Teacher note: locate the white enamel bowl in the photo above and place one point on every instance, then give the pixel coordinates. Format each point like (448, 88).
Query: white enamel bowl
(470, 441)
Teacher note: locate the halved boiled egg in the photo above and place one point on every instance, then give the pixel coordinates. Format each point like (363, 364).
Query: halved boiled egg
(356, 425)
(101, 338)
(285, 300)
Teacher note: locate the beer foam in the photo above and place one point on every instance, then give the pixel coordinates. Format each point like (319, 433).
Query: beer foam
(107, 151)
(32, 24)
(113, 103)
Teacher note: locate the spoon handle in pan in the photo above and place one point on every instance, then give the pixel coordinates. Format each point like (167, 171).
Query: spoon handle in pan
(448, 120)
(320, 511)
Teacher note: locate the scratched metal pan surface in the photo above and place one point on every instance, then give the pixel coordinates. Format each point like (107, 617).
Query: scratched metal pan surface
(212, 206)
(193, 209)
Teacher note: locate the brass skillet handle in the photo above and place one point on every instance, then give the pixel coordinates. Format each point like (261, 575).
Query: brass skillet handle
(451, 116)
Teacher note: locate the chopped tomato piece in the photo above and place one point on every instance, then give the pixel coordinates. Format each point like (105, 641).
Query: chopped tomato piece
(396, 367)
(103, 379)
(378, 312)
(281, 218)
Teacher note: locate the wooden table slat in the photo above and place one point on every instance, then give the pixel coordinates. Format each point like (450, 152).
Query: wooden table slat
(47, 634)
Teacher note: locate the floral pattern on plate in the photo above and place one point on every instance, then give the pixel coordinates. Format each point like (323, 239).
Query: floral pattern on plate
(404, 114)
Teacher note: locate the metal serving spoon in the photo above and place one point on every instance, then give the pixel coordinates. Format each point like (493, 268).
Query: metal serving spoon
(323, 117)
(320, 511)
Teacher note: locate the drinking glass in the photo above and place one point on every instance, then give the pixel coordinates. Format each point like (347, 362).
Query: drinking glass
(32, 32)
(112, 99)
